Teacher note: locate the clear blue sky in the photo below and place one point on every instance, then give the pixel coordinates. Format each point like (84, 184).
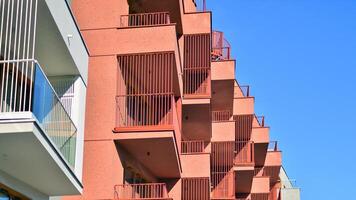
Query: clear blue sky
(299, 56)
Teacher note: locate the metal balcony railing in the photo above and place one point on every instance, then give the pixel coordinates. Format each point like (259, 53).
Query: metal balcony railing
(196, 71)
(145, 19)
(245, 90)
(25, 88)
(261, 120)
(191, 147)
(144, 110)
(197, 188)
(244, 153)
(141, 191)
(221, 115)
(222, 185)
(273, 146)
(221, 48)
(200, 5)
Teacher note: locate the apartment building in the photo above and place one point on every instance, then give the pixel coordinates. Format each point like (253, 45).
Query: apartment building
(165, 117)
(43, 83)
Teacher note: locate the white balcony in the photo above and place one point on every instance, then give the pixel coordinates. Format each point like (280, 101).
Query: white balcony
(38, 138)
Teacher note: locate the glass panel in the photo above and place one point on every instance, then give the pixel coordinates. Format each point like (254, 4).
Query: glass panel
(52, 116)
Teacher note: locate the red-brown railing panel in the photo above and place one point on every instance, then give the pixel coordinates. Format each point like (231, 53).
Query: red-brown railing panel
(145, 90)
(144, 19)
(195, 188)
(221, 48)
(259, 196)
(141, 191)
(196, 71)
(243, 127)
(222, 156)
(223, 185)
(144, 110)
(191, 147)
(221, 115)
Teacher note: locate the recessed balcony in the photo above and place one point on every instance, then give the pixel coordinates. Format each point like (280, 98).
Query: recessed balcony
(37, 135)
(195, 159)
(150, 122)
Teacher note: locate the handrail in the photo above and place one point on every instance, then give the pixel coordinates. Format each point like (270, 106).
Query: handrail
(191, 147)
(144, 110)
(221, 48)
(145, 19)
(221, 115)
(260, 120)
(245, 90)
(273, 146)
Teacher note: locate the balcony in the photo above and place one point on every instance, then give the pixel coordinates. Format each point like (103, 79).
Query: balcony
(273, 162)
(37, 135)
(150, 122)
(193, 147)
(223, 127)
(223, 70)
(141, 191)
(36, 25)
(195, 160)
(221, 48)
(221, 115)
(243, 102)
(260, 135)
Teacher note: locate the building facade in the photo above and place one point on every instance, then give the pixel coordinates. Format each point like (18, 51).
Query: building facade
(165, 117)
(43, 83)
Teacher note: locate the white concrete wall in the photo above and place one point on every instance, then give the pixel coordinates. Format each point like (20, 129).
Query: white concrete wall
(290, 194)
(67, 27)
(78, 117)
(21, 187)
